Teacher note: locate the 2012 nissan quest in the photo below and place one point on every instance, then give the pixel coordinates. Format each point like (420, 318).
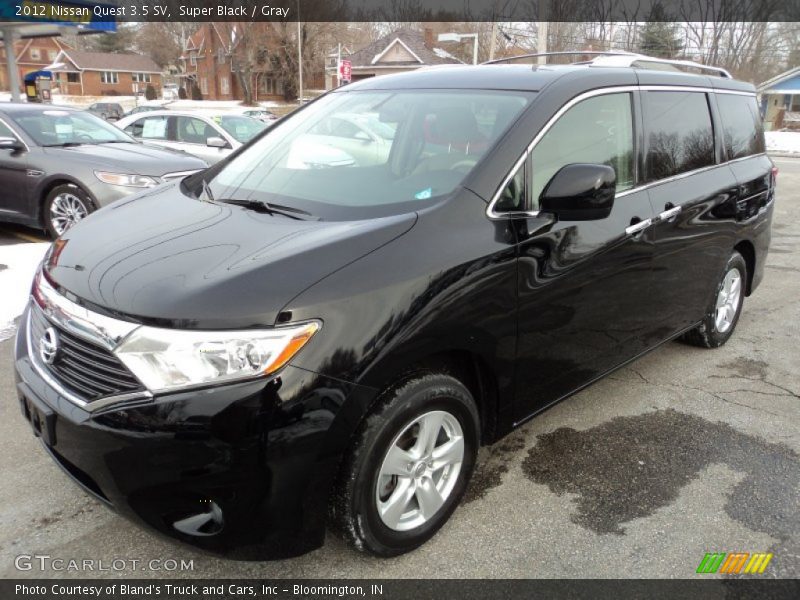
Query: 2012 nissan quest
(275, 346)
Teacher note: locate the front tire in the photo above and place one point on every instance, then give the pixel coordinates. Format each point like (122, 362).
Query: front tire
(64, 206)
(409, 465)
(723, 315)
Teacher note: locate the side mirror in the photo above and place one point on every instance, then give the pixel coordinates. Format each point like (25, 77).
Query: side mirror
(10, 143)
(216, 142)
(580, 192)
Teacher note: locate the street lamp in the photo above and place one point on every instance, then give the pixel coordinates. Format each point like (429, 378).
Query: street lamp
(457, 37)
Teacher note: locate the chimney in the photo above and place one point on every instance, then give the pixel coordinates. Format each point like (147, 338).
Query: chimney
(429, 38)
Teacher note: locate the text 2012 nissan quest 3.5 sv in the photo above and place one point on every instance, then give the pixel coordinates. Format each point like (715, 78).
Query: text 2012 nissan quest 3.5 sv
(284, 343)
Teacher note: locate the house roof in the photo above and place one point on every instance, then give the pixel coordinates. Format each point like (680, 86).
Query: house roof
(778, 79)
(106, 61)
(413, 41)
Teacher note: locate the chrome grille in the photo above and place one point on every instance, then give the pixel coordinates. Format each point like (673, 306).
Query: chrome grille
(86, 369)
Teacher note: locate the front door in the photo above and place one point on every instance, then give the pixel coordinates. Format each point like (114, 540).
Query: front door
(14, 180)
(585, 303)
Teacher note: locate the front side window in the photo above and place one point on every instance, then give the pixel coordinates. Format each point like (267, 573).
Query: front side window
(363, 154)
(597, 130)
(190, 130)
(741, 125)
(61, 127)
(680, 137)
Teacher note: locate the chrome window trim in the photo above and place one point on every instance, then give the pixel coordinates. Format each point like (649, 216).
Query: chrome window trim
(490, 212)
(92, 406)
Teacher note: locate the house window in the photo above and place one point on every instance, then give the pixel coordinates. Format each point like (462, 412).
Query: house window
(193, 59)
(73, 78)
(224, 85)
(51, 55)
(36, 54)
(221, 56)
(109, 77)
(140, 77)
(204, 86)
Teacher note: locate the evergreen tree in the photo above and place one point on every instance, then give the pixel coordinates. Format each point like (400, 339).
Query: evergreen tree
(660, 37)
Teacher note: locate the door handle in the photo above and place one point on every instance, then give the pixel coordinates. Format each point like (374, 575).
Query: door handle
(669, 213)
(638, 226)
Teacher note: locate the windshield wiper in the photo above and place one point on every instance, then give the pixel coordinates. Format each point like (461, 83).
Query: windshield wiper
(268, 207)
(64, 144)
(112, 142)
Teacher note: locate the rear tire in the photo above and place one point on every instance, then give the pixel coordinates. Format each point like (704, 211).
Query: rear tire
(64, 206)
(723, 314)
(409, 465)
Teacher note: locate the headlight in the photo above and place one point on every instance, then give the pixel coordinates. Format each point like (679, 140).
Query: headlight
(168, 359)
(139, 181)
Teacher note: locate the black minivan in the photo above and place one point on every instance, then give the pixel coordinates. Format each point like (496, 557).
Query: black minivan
(322, 329)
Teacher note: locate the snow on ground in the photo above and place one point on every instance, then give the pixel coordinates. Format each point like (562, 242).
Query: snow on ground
(783, 141)
(18, 263)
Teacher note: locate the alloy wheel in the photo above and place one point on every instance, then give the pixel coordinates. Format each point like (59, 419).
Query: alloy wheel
(728, 300)
(419, 470)
(65, 210)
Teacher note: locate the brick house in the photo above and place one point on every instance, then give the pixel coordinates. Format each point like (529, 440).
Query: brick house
(208, 60)
(401, 51)
(104, 74)
(33, 54)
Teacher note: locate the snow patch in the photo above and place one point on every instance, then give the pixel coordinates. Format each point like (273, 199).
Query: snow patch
(783, 141)
(20, 261)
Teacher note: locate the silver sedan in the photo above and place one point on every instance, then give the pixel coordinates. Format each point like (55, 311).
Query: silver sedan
(210, 136)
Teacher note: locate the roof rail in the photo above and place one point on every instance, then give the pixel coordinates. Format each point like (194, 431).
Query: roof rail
(630, 60)
(561, 53)
(619, 58)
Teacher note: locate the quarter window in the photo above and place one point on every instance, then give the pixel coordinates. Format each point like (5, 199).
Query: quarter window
(741, 125)
(680, 136)
(597, 130)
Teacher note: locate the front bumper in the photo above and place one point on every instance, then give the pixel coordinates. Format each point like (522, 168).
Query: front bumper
(260, 455)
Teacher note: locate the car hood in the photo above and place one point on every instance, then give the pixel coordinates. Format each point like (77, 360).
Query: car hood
(141, 159)
(164, 258)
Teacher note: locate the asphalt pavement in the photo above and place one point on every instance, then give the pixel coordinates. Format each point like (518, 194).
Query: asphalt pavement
(684, 452)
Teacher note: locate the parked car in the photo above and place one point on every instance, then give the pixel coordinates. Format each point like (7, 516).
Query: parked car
(57, 165)
(144, 108)
(262, 350)
(210, 136)
(261, 114)
(110, 111)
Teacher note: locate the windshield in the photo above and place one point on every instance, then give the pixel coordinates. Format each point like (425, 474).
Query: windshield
(243, 129)
(60, 127)
(355, 155)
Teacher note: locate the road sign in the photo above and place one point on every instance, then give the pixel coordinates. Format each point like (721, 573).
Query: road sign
(345, 70)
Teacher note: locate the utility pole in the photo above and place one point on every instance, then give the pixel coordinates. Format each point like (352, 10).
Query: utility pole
(300, 52)
(11, 63)
(492, 39)
(541, 32)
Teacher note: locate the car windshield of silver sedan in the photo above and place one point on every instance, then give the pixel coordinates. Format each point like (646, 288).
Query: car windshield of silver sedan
(67, 128)
(355, 155)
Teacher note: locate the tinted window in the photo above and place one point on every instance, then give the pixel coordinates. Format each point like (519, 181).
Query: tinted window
(741, 125)
(680, 135)
(597, 130)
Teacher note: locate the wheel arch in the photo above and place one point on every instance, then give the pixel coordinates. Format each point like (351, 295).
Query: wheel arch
(48, 185)
(748, 252)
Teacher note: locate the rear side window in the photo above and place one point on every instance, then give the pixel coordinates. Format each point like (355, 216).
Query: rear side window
(680, 137)
(598, 130)
(741, 125)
